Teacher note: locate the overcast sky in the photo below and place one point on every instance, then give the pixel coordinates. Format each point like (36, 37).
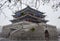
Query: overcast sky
(52, 15)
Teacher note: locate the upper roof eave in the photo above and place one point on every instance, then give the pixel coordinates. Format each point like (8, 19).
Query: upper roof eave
(29, 8)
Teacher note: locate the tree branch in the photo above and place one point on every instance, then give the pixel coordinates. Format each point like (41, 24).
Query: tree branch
(3, 4)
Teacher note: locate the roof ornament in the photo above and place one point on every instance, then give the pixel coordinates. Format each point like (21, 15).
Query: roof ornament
(28, 6)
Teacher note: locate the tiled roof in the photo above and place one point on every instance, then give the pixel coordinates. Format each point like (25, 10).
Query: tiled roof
(29, 9)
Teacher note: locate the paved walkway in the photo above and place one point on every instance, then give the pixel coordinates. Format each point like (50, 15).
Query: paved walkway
(4, 39)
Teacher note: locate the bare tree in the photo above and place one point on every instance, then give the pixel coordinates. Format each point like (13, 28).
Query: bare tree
(11, 4)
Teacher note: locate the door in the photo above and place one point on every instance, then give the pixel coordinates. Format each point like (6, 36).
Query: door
(46, 34)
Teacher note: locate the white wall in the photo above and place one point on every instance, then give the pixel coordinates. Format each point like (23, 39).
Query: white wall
(1, 28)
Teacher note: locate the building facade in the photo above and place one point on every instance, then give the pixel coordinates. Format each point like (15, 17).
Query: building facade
(29, 24)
